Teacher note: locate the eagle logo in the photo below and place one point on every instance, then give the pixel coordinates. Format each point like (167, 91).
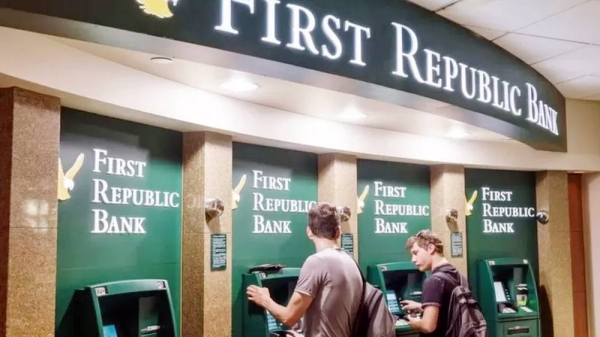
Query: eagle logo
(235, 194)
(361, 200)
(66, 182)
(158, 8)
(469, 203)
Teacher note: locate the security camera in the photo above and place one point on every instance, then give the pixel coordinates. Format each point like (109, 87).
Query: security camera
(345, 213)
(542, 217)
(214, 207)
(451, 217)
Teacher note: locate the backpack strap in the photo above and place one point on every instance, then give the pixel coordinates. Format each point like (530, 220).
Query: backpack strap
(362, 296)
(461, 279)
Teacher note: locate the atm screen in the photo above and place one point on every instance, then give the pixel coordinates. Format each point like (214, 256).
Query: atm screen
(110, 331)
(392, 302)
(500, 292)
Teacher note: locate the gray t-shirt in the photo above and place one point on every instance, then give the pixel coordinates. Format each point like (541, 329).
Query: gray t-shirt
(332, 279)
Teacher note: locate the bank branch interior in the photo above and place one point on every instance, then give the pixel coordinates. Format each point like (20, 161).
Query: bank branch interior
(160, 156)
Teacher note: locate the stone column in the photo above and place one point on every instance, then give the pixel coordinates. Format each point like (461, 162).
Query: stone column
(338, 185)
(29, 152)
(448, 192)
(555, 283)
(206, 294)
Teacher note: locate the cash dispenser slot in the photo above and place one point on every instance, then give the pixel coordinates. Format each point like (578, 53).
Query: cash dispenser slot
(132, 308)
(518, 330)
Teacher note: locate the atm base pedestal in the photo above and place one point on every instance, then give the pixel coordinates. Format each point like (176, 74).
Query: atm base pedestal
(520, 328)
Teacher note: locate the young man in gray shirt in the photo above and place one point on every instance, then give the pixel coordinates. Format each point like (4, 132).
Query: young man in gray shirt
(329, 289)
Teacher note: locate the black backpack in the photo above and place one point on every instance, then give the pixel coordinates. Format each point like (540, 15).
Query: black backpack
(374, 318)
(464, 314)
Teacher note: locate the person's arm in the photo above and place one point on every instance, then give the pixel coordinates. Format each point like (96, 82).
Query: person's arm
(433, 293)
(311, 279)
(294, 311)
(428, 322)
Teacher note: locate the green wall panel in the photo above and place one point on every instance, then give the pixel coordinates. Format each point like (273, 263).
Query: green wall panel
(396, 206)
(502, 223)
(269, 224)
(108, 229)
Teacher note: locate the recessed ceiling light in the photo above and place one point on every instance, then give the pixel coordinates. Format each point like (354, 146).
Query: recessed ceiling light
(239, 86)
(457, 133)
(352, 114)
(162, 60)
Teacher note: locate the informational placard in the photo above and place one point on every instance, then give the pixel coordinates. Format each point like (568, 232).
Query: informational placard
(456, 244)
(500, 208)
(393, 204)
(119, 207)
(218, 251)
(273, 190)
(348, 242)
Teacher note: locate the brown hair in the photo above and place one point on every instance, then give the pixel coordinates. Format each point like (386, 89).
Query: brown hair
(323, 220)
(425, 238)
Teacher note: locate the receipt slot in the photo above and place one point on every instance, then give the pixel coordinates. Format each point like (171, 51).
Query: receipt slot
(507, 293)
(281, 282)
(132, 308)
(398, 281)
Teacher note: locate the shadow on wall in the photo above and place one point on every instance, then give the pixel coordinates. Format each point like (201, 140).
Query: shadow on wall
(546, 319)
(66, 327)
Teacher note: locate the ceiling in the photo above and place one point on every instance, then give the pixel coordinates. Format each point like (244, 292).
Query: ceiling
(291, 96)
(559, 38)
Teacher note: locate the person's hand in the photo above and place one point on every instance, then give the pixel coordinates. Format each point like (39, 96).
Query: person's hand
(292, 333)
(409, 305)
(258, 295)
(412, 320)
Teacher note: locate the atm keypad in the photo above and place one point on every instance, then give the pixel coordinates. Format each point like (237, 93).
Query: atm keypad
(272, 322)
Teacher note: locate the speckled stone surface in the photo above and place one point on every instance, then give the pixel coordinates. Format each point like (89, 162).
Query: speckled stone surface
(206, 294)
(29, 146)
(32, 282)
(555, 255)
(448, 192)
(338, 185)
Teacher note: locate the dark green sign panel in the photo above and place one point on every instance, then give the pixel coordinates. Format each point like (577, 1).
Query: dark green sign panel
(393, 204)
(500, 209)
(390, 44)
(119, 210)
(272, 193)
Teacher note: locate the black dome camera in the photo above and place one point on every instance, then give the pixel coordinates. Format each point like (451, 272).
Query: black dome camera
(543, 217)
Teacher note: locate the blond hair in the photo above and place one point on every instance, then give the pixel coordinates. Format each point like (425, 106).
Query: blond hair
(425, 238)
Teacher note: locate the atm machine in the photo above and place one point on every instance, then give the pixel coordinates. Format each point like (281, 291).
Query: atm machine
(281, 282)
(398, 281)
(133, 308)
(507, 294)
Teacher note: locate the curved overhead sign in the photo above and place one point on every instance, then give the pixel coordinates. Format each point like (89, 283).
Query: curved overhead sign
(386, 43)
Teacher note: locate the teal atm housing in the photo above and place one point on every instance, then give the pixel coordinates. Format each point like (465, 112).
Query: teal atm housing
(133, 308)
(507, 293)
(398, 281)
(258, 322)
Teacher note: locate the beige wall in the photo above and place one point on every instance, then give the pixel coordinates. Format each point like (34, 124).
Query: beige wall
(583, 127)
(591, 227)
(583, 122)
